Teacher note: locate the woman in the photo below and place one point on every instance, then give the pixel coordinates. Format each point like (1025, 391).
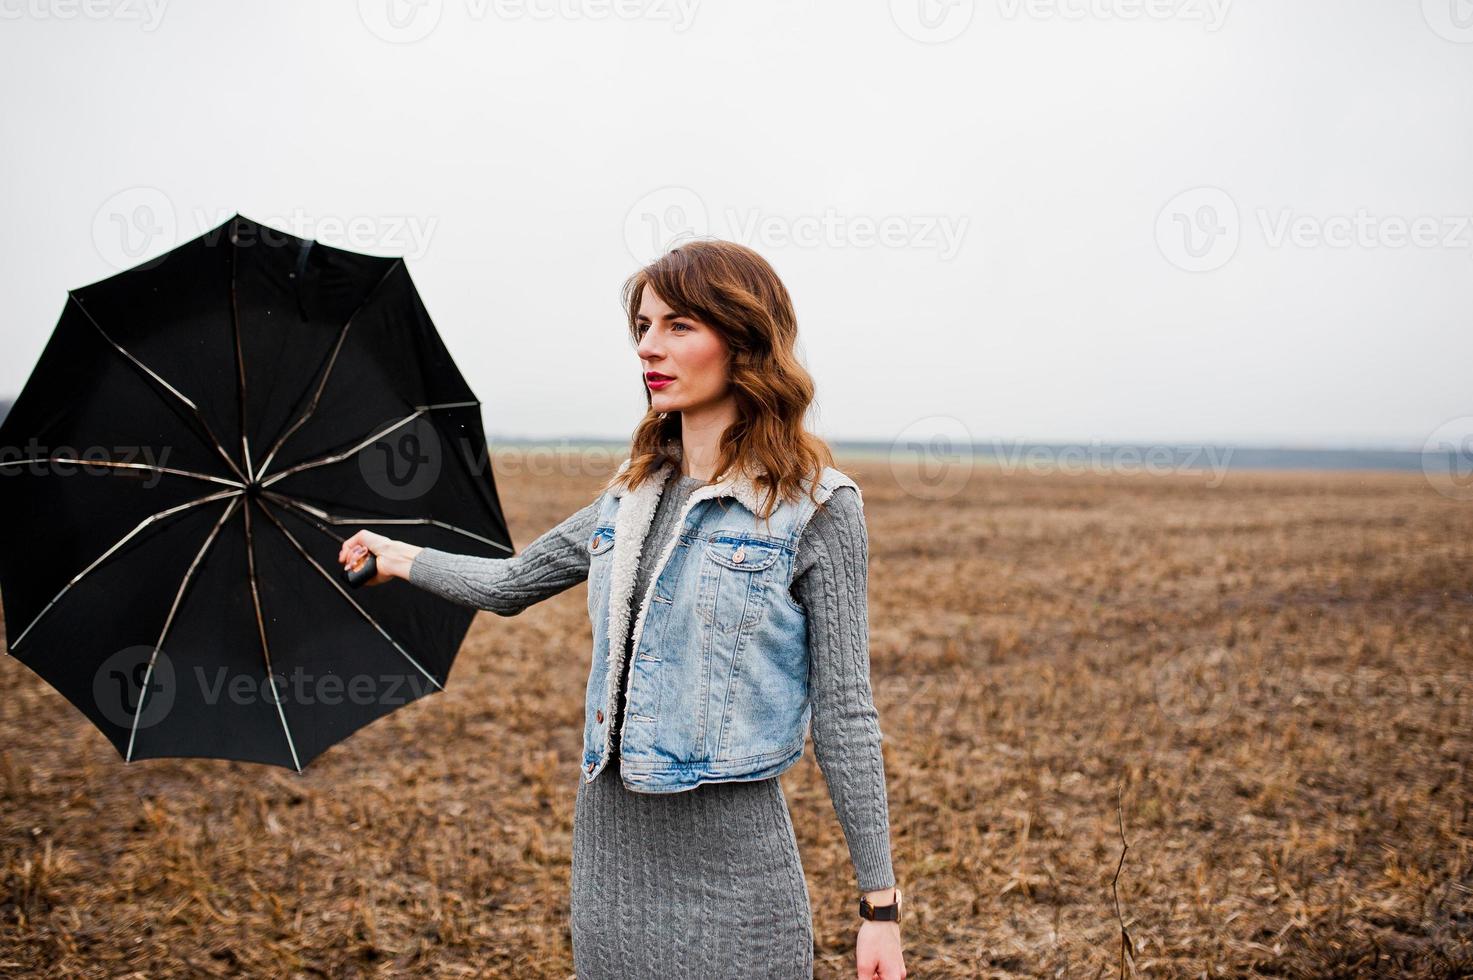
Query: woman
(729, 610)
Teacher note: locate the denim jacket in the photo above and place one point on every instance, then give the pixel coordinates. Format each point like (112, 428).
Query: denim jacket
(717, 689)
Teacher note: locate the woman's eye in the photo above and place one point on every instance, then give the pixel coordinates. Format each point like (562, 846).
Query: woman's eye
(684, 325)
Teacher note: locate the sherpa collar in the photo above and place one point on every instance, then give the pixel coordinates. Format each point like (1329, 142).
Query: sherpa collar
(740, 486)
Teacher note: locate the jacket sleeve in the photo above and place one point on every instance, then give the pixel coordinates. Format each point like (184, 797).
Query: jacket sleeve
(553, 563)
(831, 583)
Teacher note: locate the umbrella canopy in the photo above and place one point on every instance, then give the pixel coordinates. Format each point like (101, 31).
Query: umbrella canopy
(239, 406)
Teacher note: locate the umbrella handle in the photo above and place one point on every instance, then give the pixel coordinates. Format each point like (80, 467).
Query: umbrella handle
(365, 569)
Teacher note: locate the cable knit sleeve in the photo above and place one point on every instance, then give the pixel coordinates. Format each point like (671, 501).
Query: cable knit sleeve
(555, 562)
(831, 582)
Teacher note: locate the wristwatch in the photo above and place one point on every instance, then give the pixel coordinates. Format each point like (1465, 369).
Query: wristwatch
(880, 913)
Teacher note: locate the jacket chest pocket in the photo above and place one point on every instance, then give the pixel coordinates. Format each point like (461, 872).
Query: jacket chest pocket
(600, 546)
(734, 575)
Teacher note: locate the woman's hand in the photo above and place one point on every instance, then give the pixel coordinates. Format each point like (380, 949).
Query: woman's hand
(393, 557)
(878, 951)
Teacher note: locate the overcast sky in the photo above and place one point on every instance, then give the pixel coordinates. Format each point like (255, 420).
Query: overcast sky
(1119, 220)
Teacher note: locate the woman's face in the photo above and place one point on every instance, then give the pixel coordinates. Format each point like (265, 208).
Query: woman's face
(682, 348)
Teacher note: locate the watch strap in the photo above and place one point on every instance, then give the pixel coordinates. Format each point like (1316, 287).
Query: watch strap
(880, 913)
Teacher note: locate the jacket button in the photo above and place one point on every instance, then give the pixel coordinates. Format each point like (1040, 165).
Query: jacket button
(600, 716)
(590, 767)
(740, 556)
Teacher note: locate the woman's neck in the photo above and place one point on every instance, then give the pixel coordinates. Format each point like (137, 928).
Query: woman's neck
(700, 436)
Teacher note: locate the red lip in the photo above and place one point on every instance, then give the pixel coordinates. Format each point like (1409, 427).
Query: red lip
(657, 376)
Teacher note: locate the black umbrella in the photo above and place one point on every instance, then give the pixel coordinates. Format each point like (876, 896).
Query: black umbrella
(239, 406)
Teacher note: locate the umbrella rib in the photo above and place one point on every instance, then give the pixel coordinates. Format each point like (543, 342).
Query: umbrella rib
(150, 372)
(343, 592)
(261, 626)
(169, 621)
(121, 541)
(240, 381)
(334, 519)
(135, 466)
(327, 371)
(339, 457)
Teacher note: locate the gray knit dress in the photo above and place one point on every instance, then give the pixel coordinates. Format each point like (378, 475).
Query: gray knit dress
(708, 882)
